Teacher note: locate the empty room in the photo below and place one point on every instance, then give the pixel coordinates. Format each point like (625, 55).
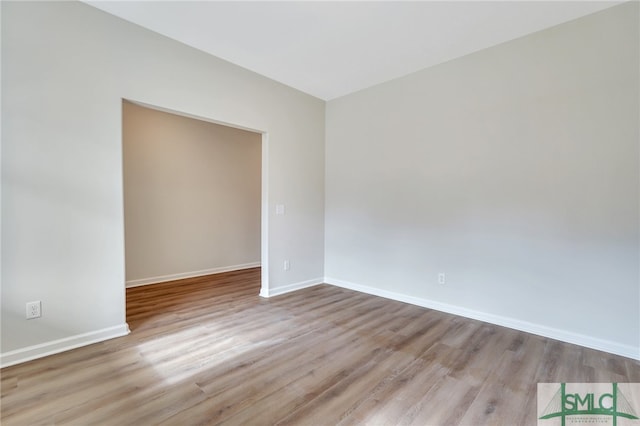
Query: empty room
(320, 213)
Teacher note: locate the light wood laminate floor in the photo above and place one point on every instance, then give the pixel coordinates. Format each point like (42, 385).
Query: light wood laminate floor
(210, 351)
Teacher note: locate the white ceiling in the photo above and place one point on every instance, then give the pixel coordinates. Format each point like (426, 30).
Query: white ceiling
(330, 49)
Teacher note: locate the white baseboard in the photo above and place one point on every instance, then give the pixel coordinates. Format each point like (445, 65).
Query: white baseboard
(193, 274)
(56, 346)
(540, 330)
(291, 287)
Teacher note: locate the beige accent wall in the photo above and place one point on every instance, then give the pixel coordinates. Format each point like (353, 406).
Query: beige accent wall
(191, 196)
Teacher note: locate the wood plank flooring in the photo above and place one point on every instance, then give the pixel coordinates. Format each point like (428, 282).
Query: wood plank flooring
(209, 351)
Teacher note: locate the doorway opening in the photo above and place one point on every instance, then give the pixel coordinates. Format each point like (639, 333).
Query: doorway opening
(195, 196)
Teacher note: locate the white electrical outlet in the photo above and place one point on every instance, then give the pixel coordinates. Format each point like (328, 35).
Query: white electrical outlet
(287, 265)
(441, 278)
(34, 309)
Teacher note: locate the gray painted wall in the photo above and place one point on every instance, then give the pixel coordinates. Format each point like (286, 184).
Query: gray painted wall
(513, 170)
(65, 69)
